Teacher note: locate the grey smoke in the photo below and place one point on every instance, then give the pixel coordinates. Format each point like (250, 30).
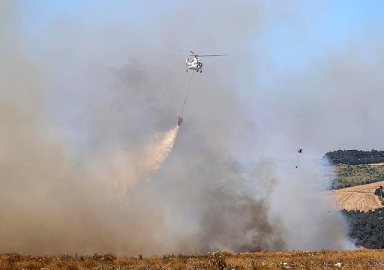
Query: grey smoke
(95, 97)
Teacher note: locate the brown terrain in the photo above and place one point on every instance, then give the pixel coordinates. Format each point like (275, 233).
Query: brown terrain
(356, 198)
(353, 259)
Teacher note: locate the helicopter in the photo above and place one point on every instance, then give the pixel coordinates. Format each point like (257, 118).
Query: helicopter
(195, 63)
(299, 151)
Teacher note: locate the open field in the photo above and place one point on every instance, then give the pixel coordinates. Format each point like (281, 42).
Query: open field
(355, 198)
(354, 259)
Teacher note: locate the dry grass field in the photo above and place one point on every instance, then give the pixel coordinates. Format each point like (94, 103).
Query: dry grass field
(356, 198)
(354, 259)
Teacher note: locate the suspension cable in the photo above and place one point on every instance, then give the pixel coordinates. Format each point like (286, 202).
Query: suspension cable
(186, 95)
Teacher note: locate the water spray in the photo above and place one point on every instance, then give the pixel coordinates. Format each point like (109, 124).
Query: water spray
(160, 148)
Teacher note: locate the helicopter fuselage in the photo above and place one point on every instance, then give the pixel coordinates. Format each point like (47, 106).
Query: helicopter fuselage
(194, 64)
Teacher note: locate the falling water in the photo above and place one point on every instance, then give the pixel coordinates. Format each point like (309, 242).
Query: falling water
(159, 149)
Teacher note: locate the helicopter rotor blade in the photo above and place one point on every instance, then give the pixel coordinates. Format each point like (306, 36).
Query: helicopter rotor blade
(193, 54)
(209, 55)
(175, 52)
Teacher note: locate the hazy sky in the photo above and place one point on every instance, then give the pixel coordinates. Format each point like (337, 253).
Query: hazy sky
(279, 70)
(313, 25)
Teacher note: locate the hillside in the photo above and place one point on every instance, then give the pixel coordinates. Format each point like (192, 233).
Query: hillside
(353, 259)
(367, 228)
(354, 157)
(355, 198)
(354, 175)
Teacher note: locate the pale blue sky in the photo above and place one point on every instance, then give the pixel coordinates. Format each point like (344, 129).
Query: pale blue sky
(315, 25)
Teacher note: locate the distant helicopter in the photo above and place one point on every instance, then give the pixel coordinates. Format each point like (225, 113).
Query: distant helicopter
(299, 151)
(195, 63)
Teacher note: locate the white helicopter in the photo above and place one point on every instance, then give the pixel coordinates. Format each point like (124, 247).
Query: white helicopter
(195, 63)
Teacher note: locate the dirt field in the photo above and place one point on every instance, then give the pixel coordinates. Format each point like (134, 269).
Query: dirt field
(353, 259)
(356, 198)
